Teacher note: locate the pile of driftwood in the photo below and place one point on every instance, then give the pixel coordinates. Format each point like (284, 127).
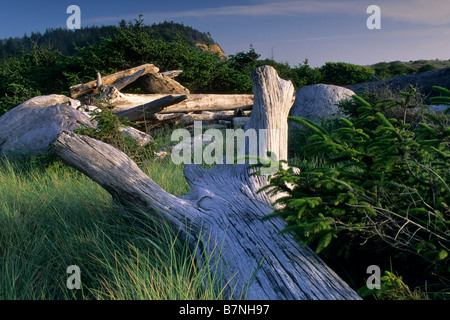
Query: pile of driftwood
(164, 100)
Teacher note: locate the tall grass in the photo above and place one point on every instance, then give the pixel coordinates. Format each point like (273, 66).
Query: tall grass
(52, 217)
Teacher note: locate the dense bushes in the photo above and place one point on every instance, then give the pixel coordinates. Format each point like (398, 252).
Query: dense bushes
(384, 70)
(132, 45)
(340, 73)
(37, 72)
(374, 181)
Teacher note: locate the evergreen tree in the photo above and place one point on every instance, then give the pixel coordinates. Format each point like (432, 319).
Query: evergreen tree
(373, 180)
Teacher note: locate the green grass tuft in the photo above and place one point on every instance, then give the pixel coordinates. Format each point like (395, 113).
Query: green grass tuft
(52, 217)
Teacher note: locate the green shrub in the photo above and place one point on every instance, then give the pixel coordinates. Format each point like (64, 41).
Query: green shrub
(107, 130)
(44, 70)
(305, 75)
(384, 97)
(393, 288)
(386, 70)
(426, 67)
(341, 73)
(378, 181)
(134, 44)
(37, 72)
(444, 97)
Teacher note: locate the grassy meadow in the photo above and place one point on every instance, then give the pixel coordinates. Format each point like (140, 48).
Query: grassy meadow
(52, 217)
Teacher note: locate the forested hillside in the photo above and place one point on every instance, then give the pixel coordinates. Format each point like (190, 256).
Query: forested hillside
(66, 41)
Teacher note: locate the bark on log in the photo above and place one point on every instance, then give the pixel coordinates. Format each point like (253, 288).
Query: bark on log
(81, 89)
(145, 111)
(223, 210)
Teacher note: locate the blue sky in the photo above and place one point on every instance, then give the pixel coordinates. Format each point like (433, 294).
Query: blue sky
(286, 30)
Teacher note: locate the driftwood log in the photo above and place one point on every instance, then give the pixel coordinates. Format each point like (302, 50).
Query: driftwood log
(118, 79)
(145, 111)
(223, 211)
(174, 119)
(193, 103)
(212, 102)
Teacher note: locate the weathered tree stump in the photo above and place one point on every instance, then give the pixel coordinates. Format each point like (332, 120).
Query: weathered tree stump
(223, 211)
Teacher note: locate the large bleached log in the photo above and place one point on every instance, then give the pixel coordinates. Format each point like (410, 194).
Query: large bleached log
(86, 88)
(222, 213)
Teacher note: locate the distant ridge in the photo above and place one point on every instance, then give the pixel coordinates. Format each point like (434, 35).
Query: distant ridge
(423, 81)
(386, 70)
